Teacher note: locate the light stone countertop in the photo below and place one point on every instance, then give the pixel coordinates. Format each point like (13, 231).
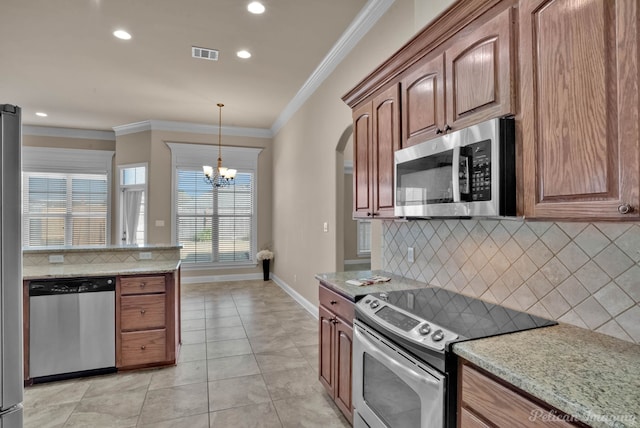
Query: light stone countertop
(98, 269)
(109, 248)
(588, 375)
(337, 281)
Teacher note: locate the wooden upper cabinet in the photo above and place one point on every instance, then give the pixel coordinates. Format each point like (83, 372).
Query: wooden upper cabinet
(479, 79)
(423, 114)
(376, 136)
(386, 140)
(362, 161)
(579, 89)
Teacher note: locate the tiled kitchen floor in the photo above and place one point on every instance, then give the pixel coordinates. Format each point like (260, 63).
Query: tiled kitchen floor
(248, 359)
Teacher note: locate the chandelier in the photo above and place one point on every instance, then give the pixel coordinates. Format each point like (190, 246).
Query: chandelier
(221, 176)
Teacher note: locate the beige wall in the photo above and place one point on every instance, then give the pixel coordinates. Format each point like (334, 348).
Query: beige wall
(305, 159)
(67, 143)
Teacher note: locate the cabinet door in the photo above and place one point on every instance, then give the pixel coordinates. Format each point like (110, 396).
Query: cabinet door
(326, 356)
(579, 93)
(423, 103)
(479, 74)
(343, 362)
(362, 162)
(386, 140)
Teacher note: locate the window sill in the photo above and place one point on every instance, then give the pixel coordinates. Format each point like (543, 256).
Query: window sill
(212, 266)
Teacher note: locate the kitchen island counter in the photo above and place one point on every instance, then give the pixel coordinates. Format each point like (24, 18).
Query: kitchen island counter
(588, 375)
(98, 269)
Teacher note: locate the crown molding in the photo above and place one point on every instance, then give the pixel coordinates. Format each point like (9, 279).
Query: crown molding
(362, 23)
(196, 128)
(48, 131)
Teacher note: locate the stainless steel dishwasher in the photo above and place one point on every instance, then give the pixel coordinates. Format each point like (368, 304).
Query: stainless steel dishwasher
(71, 327)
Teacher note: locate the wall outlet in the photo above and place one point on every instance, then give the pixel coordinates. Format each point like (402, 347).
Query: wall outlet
(145, 256)
(56, 258)
(410, 254)
(295, 278)
(159, 223)
(325, 227)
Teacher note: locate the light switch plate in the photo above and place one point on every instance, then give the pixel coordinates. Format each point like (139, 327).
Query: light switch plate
(410, 254)
(325, 227)
(145, 256)
(56, 258)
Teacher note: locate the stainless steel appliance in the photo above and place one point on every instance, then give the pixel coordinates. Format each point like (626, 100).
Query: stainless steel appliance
(11, 370)
(404, 372)
(470, 172)
(71, 327)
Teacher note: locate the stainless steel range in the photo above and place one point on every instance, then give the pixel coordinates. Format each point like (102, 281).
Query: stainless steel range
(404, 372)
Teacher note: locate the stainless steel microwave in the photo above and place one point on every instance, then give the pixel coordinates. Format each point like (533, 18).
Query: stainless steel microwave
(467, 173)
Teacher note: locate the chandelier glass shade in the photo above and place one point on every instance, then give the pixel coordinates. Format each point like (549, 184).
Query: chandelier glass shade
(219, 176)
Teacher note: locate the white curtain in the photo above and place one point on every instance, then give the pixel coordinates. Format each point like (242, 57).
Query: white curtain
(132, 200)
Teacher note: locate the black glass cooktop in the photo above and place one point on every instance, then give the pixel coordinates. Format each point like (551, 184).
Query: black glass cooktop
(469, 318)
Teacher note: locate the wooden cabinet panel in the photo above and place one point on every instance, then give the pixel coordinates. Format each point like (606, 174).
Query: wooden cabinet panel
(501, 406)
(142, 312)
(362, 161)
(142, 284)
(335, 356)
(469, 420)
(386, 140)
(338, 304)
(326, 349)
(343, 363)
(423, 106)
(479, 73)
(580, 108)
(143, 347)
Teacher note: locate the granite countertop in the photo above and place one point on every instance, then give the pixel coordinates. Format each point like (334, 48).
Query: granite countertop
(588, 375)
(98, 269)
(110, 248)
(337, 281)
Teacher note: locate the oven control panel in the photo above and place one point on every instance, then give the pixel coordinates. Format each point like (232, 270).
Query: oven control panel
(404, 323)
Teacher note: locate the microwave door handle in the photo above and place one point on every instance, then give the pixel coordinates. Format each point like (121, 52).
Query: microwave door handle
(455, 174)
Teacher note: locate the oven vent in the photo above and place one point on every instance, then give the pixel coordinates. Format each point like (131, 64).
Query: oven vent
(204, 53)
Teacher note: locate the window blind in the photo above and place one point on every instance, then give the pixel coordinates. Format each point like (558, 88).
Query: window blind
(65, 209)
(214, 225)
(364, 237)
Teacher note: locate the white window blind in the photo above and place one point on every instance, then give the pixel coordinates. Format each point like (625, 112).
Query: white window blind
(65, 209)
(364, 237)
(214, 225)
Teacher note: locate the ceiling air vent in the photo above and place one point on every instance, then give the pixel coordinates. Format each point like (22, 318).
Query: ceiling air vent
(204, 53)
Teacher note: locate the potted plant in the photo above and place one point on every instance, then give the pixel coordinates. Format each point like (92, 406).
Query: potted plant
(265, 256)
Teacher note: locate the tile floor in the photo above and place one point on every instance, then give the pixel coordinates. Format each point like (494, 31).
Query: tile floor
(248, 359)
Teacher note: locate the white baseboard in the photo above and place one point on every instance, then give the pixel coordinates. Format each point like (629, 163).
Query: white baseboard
(219, 278)
(310, 307)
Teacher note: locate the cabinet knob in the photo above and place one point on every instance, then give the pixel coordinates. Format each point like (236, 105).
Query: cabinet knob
(447, 128)
(143, 347)
(369, 214)
(142, 311)
(438, 131)
(334, 320)
(333, 302)
(143, 284)
(625, 209)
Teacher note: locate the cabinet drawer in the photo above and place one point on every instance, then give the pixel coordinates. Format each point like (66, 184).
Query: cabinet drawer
(142, 284)
(337, 304)
(143, 347)
(142, 312)
(505, 408)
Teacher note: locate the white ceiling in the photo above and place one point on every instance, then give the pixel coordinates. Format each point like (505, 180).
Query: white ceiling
(60, 57)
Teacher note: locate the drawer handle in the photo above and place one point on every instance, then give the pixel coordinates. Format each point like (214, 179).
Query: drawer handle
(143, 347)
(143, 284)
(333, 302)
(142, 311)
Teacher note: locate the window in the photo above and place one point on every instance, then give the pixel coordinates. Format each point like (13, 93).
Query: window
(133, 190)
(364, 237)
(66, 197)
(65, 209)
(215, 226)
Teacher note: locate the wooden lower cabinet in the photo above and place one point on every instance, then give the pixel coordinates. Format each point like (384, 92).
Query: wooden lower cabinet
(147, 320)
(335, 356)
(487, 402)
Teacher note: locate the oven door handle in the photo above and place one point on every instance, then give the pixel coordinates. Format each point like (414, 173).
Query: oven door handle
(455, 174)
(389, 354)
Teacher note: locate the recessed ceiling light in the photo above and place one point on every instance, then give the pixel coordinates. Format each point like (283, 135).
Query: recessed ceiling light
(255, 7)
(41, 114)
(243, 54)
(121, 34)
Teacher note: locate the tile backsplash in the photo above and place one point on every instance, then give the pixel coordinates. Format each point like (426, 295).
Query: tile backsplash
(585, 274)
(101, 255)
